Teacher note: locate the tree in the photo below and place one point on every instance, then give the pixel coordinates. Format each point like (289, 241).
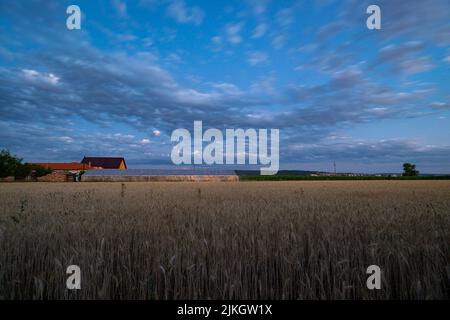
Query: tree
(23, 170)
(30, 170)
(38, 171)
(8, 164)
(12, 166)
(409, 170)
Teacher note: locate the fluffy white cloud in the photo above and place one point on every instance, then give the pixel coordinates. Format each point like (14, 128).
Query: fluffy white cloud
(257, 58)
(233, 32)
(34, 75)
(184, 14)
(227, 88)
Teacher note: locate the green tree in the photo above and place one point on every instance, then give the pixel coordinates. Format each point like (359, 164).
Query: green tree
(30, 170)
(38, 171)
(12, 166)
(8, 164)
(23, 170)
(409, 170)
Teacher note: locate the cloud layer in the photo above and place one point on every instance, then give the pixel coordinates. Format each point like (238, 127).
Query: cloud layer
(64, 95)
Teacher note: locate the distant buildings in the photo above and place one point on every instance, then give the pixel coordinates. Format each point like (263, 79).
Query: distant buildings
(64, 166)
(72, 171)
(88, 163)
(341, 174)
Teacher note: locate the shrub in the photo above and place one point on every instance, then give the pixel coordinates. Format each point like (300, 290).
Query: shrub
(8, 164)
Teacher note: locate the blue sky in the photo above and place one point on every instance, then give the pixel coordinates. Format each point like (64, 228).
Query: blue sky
(367, 99)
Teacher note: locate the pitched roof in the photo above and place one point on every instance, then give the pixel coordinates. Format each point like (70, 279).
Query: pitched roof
(104, 162)
(64, 165)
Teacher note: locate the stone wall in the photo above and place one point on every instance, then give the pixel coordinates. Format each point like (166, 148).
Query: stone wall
(56, 177)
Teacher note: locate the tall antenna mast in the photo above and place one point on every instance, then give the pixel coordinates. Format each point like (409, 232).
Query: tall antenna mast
(334, 163)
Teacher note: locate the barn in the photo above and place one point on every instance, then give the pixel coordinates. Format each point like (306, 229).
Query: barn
(105, 162)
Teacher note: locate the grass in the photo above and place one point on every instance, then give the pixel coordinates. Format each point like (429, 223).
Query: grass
(258, 240)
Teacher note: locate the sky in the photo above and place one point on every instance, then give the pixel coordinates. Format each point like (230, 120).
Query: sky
(368, 100)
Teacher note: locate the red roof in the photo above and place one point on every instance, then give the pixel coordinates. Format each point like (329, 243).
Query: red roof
(64, 166)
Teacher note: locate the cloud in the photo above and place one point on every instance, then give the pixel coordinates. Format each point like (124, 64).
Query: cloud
(233, 32)
(415, 65)
(184, 14)
(440, 105)
(263, 85)
(174, 58)
(331, 29)
(256, 58)
(278, 41)
(77, 92)
(227, 88)
(285, 17)
(366, 152)
(144, 141)
(121, 89)
(216, 40)
(403, 57)
(259, 31)
(348, 96)
(107, 87)
(35, 76)
(395, 52)
(58, 143)
(258, 7)
(399, 18)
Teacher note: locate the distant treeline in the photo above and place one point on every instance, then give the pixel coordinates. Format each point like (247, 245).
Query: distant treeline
(284, 177)
(279, 173)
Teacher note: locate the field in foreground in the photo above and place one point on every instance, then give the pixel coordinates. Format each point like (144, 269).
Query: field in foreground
(247, 240)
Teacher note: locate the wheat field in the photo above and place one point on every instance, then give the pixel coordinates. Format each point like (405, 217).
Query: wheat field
(212, 240)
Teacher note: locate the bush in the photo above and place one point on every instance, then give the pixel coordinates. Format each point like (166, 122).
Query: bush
(12, 166)
(39, 171)
(23, 170)
(30, 170)
(8, 164)
(409, 170)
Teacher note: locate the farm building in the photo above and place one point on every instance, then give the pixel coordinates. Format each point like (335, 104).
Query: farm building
(105, 162)
(71, 171)
(131, 175)
(64, 166)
